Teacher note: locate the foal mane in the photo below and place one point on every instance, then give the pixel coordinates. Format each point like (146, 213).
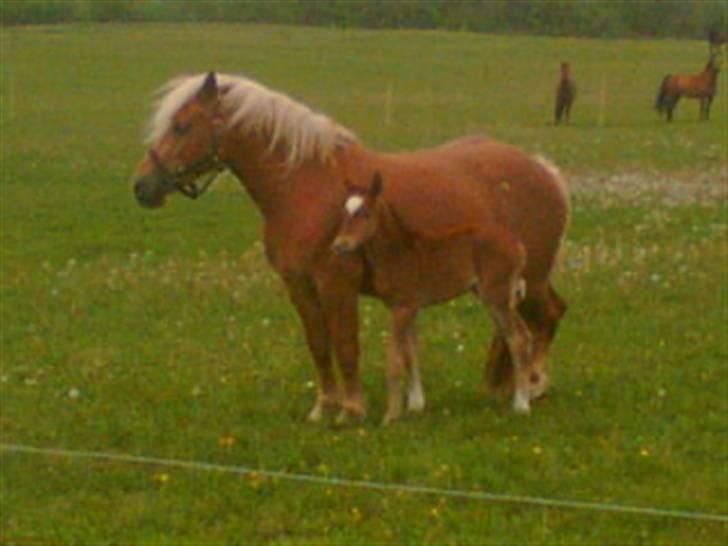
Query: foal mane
(253, 108)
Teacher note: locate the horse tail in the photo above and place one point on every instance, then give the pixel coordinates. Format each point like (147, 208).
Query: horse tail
(662, 102)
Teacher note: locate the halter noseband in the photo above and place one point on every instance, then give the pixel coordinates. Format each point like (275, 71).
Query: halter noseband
(170, 179)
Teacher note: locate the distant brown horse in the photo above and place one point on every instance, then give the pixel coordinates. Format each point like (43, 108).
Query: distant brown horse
(429, 239)
(565, 95)
(292, 162)
(700, 86)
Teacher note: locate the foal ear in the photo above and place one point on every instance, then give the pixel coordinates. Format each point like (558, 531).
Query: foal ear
(376, 188)
(208, 91)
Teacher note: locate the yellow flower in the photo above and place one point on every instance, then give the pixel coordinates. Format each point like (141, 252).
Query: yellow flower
(226, 441)
(161, 478)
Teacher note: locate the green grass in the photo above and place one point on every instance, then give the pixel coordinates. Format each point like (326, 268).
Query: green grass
(166, 333)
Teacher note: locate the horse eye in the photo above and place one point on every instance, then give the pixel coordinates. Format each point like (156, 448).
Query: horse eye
(181, 128)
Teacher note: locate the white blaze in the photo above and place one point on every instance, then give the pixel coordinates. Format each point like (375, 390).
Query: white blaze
(353, 204)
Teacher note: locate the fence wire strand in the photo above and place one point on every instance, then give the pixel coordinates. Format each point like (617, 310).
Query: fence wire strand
(365, 484)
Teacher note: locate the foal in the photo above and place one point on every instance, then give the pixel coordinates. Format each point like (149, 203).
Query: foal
(414, 270)
(565, 94)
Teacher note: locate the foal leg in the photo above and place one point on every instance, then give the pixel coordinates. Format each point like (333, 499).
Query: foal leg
(303, 294)
(397, 357)
(415, 392)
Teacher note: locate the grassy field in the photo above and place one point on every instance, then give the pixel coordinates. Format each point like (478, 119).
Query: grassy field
(166, 334)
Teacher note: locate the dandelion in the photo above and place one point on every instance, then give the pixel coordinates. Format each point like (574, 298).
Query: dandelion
(537, 450)
(256, 480)
(645, 452)
(161, 478)
(356, 514)
(74, 393)
(226, 441)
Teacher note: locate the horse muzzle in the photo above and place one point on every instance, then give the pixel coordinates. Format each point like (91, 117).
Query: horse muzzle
(148, 192)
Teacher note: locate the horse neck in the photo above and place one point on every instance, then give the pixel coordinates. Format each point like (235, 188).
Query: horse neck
(261, 171)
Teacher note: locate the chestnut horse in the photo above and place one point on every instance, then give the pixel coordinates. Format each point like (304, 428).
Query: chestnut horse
(565, 95)
(428, 241)
(292, 161)
(697, 86)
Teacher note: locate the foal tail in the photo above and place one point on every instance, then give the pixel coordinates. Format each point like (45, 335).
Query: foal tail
(662, 102)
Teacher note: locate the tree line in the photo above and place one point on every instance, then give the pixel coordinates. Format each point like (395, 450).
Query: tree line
(592, 18)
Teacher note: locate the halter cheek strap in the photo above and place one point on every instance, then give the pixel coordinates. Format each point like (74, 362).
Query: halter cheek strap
(210, 164)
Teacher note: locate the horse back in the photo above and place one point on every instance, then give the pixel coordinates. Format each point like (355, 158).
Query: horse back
(478, 184)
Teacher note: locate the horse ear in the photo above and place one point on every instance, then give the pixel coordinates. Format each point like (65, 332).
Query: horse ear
(208, 91)
(376, 188)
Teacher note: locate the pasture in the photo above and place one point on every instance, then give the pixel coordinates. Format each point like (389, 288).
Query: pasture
(166, 334)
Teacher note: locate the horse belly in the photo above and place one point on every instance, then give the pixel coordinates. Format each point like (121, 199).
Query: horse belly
(432, 273)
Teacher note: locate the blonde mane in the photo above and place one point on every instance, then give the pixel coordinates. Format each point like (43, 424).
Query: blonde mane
(253, 108)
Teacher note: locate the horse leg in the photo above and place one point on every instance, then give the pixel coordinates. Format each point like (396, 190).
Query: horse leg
(340, 299)
(499, 265)
(672, 104)
(415, 392)
(397, 357)
(303, 294)
(498, 373)
(705, 107)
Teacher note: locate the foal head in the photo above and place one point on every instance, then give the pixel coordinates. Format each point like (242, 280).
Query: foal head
(360, 217)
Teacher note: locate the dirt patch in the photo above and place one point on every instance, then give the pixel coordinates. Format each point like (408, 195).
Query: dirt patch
(640, 188)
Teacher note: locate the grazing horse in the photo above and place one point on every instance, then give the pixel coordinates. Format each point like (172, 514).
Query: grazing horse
(565, 95)
(292, 161)
(429, 240)
(696, 86)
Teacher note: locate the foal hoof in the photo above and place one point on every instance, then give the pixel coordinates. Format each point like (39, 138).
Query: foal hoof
(350, 415)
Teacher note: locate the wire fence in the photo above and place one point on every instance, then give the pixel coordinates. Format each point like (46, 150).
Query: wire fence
(366, 484)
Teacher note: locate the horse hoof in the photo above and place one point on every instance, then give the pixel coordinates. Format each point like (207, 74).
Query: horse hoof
(521, 404)
(415, 403)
